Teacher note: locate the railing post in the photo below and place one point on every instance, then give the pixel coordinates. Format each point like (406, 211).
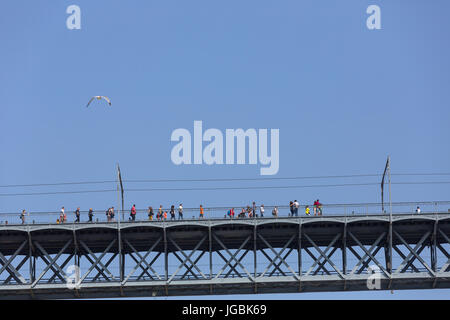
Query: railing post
(166, 260)
(254, 249)
(344, 249)
(210, 251)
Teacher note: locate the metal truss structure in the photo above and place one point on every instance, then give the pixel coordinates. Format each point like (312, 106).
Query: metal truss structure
(195, 257)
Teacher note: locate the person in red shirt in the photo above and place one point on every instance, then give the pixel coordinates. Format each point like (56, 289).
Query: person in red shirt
(317, 207)
(133, 212)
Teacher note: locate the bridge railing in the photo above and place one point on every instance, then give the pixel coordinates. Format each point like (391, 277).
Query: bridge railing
(346, 210)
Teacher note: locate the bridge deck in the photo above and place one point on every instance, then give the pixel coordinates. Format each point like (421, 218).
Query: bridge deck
(395, 245)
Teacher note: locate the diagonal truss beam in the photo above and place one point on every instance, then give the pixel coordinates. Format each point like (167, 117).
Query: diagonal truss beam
(189, 268)
(51, 262)
(9, 267)
(149, 265)
(278, 264)
(142, 260)
(97, 260)
(411, 261)
(187, 258)
(400, 253)
(445, 266)
(323, 254)
(62, 267)
(413, 252)
(100, 271)
(232, 256)
(369, 253)
(365, 264)
(278, 256)
(233, 267)
(321, 265)
(11, 276)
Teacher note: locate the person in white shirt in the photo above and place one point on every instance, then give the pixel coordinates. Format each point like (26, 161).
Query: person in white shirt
(296, 206)
(275, 212)
(418, 210)
(62, 215)
(261, 210)
(180, 212)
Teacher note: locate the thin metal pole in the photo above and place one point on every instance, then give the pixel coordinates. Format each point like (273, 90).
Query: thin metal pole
(433, 245)
(121, 258)
(166, 260)
(390, 245)
(254, 249)
(300, 249)
(30, 252)
(254, 254)
(210, 258)
(344, 249)
(210, 251)
(389, 177)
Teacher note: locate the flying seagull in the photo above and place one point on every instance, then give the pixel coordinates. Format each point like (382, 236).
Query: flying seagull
(98, 98)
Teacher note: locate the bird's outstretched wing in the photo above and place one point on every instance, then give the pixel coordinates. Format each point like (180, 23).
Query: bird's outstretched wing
(99, 97)
(107, 99)
(90, 102)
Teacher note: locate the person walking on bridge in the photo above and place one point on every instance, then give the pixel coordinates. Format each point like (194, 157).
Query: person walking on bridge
(261, 211)
(307, 211)
(254, 210)
(172, 212)
(296, 206)
(150, 213)
(90, 214)
(202, 212)
(112, 213)
(317, 208)
(159, 216)
(62, 215)
(22, 216)
(77, 215)
(275, 212)
(291, 209)
(133, 213)
(180, 212)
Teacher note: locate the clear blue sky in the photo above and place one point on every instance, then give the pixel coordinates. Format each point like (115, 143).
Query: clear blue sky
(344, 97)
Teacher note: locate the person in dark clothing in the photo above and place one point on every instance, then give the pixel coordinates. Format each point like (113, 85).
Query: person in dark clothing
(150, 213)
(111, 213)
(254, 210)
(172, 212)
(77, 215)
(90, 214)
(22, 216)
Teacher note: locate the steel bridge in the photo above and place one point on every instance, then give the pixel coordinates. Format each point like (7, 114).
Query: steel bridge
(223, 256)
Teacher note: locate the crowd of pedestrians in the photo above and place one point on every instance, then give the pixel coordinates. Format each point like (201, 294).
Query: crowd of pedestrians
(161, 214)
